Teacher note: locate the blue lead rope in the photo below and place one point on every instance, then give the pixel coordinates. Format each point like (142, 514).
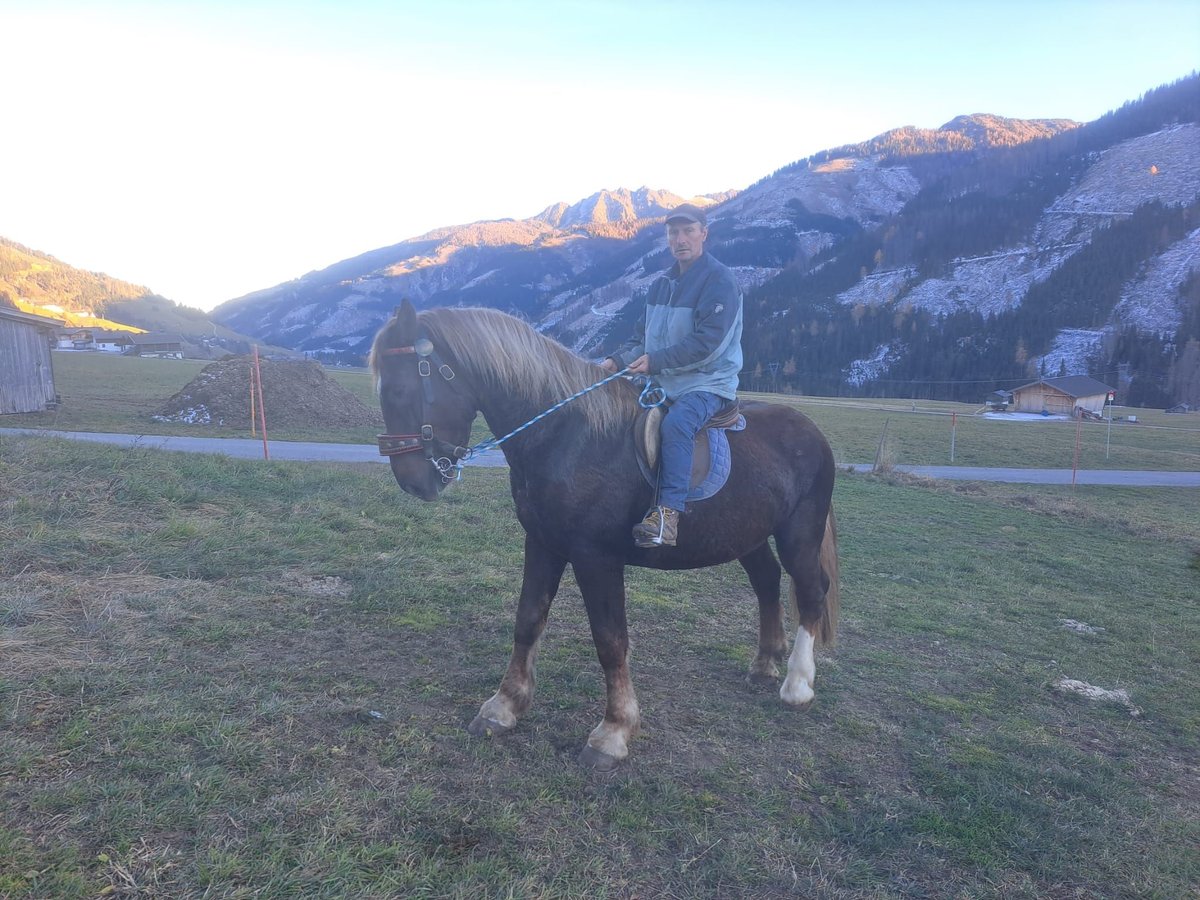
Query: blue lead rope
(651, 396)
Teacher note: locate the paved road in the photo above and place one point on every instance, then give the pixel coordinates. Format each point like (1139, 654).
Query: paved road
(242, 448)
(311, 452)
(1128, 477)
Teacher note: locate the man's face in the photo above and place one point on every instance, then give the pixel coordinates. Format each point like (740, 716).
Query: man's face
(686, 240)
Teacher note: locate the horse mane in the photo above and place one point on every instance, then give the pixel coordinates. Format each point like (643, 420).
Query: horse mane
(501, 351)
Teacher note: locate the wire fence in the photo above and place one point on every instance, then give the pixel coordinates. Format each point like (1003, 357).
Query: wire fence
(905, 432)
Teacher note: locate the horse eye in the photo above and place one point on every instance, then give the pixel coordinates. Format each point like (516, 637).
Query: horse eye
(394, 394)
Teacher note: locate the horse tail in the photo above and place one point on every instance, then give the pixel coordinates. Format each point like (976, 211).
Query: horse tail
(825, 632)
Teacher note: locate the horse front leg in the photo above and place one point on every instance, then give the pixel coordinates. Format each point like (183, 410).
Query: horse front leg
(543, 571)
(602, 583)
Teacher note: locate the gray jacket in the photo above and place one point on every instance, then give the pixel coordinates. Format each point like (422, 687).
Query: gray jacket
(691, 330)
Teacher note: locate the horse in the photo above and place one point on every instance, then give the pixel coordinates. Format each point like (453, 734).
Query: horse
(578, 491)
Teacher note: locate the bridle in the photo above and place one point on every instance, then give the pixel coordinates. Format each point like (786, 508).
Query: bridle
(445, 456)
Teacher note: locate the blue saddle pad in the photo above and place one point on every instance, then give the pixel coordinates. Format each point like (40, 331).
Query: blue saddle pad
(719, 463)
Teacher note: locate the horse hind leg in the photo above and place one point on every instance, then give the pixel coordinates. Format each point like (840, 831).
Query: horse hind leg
(812, 563)
(765, 576)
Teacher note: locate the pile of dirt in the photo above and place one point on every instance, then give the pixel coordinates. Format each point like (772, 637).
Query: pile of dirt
(296, 393)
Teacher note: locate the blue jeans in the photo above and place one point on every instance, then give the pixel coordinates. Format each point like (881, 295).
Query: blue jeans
(683, 421)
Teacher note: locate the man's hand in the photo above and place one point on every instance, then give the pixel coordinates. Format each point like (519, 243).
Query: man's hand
(609, 365)
(640, 366)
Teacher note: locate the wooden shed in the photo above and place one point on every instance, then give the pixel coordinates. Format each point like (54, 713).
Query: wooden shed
(26, 369)
(1062, 396)
(168, 346)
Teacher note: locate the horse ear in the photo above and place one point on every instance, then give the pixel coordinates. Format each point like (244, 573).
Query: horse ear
(406, 319)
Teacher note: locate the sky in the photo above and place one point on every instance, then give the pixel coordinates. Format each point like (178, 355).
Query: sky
(210, 149)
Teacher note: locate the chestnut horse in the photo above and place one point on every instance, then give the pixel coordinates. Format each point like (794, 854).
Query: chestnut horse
(578, 492)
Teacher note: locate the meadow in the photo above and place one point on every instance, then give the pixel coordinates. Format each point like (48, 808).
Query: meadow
(120, 394)
(224, 678)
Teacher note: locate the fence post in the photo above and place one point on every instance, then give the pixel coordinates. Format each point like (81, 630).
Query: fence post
(953, 429)
(880, 462)
(1075, 464)
(262, 413)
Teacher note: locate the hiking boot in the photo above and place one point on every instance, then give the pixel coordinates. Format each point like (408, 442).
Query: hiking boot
(658, 529)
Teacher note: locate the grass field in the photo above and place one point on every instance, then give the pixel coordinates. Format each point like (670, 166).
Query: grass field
(111, 393)
(191, 647)
(119, 394)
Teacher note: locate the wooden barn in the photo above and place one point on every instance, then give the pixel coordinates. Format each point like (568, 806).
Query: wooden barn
(1062, 396)
(26, 370)
(166, 346)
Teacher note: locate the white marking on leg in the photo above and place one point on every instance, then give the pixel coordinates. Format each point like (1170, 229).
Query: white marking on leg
(613, 737)
(797, 688)
(499, 709)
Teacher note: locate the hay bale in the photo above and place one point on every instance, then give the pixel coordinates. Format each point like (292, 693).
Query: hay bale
(296, 393)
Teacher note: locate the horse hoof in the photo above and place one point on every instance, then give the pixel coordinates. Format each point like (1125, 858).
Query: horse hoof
(481, 727)
(597, 760)
(799, 704)
(797, 694)
(763, 679)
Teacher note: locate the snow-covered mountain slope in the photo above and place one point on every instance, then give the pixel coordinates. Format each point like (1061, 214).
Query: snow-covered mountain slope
(1163, 166)
(1151, 301)
(621, 205)
(974, 218)
(848, 188)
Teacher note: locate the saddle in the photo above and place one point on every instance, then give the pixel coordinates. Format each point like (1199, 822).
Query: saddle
(710, 454)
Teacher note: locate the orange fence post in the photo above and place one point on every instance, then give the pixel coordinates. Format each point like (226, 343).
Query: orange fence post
(262, 413)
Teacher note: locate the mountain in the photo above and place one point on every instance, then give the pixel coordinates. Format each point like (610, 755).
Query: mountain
(39, 283)
(618, 207)
(511, 264)
(932, 262)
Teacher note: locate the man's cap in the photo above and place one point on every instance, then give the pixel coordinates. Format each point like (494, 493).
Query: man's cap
(688, 212)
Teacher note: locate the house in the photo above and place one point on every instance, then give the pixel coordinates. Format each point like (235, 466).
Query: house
(1065, 396)
(165, 346)
(26, 370)
(111, 341)
(73, 339)
(86, 338)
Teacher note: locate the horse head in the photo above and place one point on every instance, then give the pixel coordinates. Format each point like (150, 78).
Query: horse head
(427, 413)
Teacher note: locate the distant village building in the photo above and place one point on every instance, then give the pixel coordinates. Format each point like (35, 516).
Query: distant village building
(26, 370)
(82, 338)
(166, 346)
(73, 339)
(111, 341)
(1063, 396)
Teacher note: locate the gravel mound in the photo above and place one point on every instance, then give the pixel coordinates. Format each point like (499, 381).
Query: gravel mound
(296, 393)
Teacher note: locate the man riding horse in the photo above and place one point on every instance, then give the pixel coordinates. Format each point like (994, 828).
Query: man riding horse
(689, 339)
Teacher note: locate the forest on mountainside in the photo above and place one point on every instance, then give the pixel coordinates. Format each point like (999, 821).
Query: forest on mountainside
(40, 279)
(798, 336)
(808, 346)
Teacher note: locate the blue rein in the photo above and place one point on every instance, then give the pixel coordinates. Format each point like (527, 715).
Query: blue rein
(651, 396)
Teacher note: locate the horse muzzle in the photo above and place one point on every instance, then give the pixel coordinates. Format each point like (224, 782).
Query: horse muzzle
(423, 482)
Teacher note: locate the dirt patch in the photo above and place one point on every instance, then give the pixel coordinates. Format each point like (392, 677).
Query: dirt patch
(1080, 627)
(295, 393)
(315, 585)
